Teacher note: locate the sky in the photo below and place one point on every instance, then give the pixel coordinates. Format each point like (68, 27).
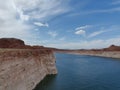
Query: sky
(66, 24)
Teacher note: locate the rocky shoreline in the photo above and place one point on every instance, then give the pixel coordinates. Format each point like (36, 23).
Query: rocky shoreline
(111, 52)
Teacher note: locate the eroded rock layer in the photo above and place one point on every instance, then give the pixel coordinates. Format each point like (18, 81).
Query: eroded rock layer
(23, 69)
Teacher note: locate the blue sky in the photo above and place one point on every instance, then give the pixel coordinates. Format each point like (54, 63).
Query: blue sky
(71, 24)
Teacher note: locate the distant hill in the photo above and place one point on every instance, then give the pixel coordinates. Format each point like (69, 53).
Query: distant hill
(112, 48)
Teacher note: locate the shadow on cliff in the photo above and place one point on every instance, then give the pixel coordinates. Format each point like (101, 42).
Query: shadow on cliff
(46, 82)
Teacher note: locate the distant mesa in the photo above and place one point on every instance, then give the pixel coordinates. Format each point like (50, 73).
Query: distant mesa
(11, 43)
(112, 48)
(16, 43)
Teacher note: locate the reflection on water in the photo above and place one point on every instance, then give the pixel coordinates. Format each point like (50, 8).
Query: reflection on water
(77, 72)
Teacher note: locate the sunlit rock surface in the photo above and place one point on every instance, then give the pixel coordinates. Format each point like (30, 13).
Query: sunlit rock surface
(23, 69)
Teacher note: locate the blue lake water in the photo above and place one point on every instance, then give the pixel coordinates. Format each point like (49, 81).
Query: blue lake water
(77, 72)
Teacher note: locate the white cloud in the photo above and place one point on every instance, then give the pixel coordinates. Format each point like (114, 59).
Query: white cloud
(93, 44)
(53, 33)
(80, 32)
(104, 30)
(41, 9)
(22, 16)
(41, 24)
(96, 33)
(83, 27)
(10, 26)
(17, 17)
(110, 10)
(117, 9)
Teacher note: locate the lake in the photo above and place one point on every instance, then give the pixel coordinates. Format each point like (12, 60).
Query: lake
(78, 72)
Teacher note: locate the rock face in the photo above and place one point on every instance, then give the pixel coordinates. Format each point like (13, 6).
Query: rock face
(112, 48)
(16, 44)
(24, 69)
(22, 66)
(11, 43)
(110, 54)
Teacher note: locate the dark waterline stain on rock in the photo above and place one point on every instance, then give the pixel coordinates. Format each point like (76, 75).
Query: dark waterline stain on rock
(47, 81)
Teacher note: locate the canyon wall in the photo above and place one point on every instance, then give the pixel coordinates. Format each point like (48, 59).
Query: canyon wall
(23, 69)
(111, 51)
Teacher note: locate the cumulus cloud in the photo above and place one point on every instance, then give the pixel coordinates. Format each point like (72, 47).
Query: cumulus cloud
(41, 24)
(80, 32)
